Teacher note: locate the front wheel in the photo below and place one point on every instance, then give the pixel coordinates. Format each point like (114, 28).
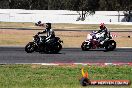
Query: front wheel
(85, 47)
(29, 48)
(110, 45)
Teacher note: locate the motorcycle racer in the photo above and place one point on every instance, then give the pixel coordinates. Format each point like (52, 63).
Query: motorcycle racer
(49, 32)
(104, 34)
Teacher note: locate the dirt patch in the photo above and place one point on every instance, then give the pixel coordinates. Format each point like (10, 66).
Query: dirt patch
(30, 25)
(70, 38)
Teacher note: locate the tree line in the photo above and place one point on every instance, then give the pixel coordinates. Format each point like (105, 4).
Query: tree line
(103, 5)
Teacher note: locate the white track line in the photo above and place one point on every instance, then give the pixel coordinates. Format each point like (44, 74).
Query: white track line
(84, 64)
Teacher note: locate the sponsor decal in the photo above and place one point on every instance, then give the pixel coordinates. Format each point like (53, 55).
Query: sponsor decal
(85, 81)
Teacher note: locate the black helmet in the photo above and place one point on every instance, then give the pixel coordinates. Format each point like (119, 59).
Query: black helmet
(39, 22)
(49, 25)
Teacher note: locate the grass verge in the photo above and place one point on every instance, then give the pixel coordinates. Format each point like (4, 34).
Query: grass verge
(38, 76)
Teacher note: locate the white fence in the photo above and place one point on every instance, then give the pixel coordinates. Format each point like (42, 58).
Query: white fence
(56, 16)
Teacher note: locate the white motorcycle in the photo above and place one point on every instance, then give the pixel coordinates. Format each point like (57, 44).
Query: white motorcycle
(94, 39)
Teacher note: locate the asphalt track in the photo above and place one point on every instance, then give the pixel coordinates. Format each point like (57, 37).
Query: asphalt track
(17, 55)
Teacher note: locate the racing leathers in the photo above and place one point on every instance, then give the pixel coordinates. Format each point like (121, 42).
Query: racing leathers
(49, 33)
(104, 35)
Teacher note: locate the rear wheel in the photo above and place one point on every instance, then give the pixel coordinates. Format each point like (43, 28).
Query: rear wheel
(29, 48)
(110, 45)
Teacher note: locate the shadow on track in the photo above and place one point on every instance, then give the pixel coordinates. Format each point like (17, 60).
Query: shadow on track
(48, 53)
(116, 50)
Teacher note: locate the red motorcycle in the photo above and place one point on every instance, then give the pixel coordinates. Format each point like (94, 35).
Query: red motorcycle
(93, 42)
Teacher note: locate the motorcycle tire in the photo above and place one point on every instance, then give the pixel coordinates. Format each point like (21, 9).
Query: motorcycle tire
(29, 48)
(110, 45)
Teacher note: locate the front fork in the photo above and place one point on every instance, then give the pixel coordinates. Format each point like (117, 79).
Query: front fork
(87, 42)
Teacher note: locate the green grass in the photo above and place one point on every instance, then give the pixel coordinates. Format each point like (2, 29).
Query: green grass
(38, 76)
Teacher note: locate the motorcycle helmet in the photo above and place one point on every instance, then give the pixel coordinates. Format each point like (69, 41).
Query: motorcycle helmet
(39, 22)
(48, 25)
(102, 26)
